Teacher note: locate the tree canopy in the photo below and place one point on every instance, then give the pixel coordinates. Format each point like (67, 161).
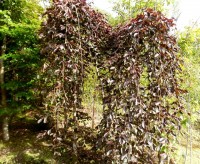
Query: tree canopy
(139, 120)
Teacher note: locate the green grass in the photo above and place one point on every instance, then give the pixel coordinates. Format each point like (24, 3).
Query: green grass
(25, 148)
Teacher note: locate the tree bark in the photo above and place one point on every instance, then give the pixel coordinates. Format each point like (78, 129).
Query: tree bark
(5, 124)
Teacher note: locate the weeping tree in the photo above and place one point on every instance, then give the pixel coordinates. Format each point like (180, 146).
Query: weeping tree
(137, 67)
(142, 94)
(73, 36)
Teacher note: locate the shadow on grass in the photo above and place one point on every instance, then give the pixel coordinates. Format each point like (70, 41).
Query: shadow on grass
(25, 147)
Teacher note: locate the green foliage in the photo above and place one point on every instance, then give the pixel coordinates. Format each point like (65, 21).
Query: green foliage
(127, 9)
(189, 42)
(19, 24)
(27, 11)
(91, 90)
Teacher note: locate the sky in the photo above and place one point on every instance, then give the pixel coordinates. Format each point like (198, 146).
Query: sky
(189, 11)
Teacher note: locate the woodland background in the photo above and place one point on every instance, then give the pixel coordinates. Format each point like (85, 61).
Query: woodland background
(25, 120)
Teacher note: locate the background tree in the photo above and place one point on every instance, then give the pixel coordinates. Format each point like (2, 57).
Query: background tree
(19, 21)
(126, 9)
(189, 41)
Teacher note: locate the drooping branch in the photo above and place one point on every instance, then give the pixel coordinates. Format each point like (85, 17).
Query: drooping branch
(137, 66)
(142, 93)
(72, 38)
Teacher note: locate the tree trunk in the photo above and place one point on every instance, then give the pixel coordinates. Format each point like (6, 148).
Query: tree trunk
(3, 93)
(93, 110)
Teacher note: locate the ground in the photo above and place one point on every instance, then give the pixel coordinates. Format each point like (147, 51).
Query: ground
(25, 147)
(188, 148)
